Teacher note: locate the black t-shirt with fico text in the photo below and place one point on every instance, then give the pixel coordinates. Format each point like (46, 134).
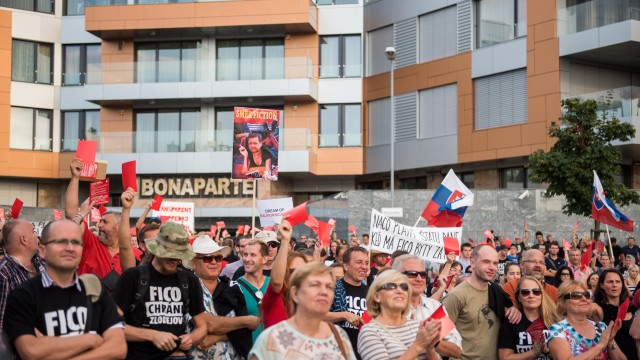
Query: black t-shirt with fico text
(55, 311)
(163, 307)
(516, 337)
(357, 304)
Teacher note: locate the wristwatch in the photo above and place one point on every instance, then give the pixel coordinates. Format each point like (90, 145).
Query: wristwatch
(79, 217)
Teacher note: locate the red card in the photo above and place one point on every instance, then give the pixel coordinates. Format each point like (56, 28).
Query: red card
(312, 223)
(268, 228)
(1, 215)
(99, 192)
(240, 230)
(445, 321)
(16, 207)
(586, 257)
(213, 229)
(488, 234)
(102, 210)
(86, 151)
(599, 246)
(622, 310)
(451, 245)
(247, 229)
(221, 224)
(449, 280)
(324, 233)
(297, 215)
(366, 318)
(157, 202)
(352, 229)
(536, 329)
(129, 176)
(57, 214)
(507, 243)
(331, 222)
(164, 219)
(95, 215)
(565, 244)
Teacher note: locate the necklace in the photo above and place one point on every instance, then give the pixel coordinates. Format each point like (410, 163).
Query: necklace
(258, 293)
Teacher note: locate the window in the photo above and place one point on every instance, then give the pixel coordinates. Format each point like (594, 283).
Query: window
(438, 34)
(379, 40)
(340, 125)
(501, 99)
(250, 59)
(81, 64)
(79, 125)
(43, 6)
(468, 179)
(74, 7)
(32, 62)
(414, 183)
(438, 111)
(30, 129)
(167, 61)
(340, 56)
(224, 127)
(501, 20)
(379, 118)
(170, 130)
(336, 2)
(517, 178)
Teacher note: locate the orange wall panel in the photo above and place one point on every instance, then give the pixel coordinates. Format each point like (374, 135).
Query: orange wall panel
(5, 88)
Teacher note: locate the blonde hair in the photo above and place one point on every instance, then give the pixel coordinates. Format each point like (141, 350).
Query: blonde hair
(564, 289)
(637, 268)
(389, 275)
(547, 306)
(302, 273)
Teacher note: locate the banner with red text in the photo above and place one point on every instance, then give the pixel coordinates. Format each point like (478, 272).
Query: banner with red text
(179, 212)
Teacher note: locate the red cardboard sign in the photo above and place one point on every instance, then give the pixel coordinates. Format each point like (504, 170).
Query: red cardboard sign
(99, 192)
(585, 259)
(331, 222)
(312, 223)
(536, 329)
(221, 224)
(57, 214)
(86, 151)
(324, 233)
(268, 228)
(157, 202)
(352, 229)
(445, 321)
(240, 230)
(129, 176)
(451, 245)
(565, 244)
(488, 234)
(16, 208)
(622, 310)
(297, 215)
(507, 243)
(95, 215)
(101, 210)
(599, 246)
(213, 229)
(366, 318)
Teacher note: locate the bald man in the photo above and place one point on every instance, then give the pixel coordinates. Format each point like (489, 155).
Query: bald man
(533, 264)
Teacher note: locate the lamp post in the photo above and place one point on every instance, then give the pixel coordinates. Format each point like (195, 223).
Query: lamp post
(390, 52)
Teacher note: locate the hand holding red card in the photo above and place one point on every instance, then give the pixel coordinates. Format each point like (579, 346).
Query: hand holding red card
(157, 202)
(366, 318)
(129, 176)
(565, 245)
(240, 230)
(451, 245)
(324, 233)
(352, 229)
(331, 222)
(312, 223)
(221, 224)
(622, 310)
(213, 230)
(86, 151)
(536, 329)
(297, 215)
(445, 321)
(16, 208)
(488, 234)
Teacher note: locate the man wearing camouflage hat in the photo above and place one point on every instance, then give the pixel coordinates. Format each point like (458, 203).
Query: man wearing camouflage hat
(155, 298)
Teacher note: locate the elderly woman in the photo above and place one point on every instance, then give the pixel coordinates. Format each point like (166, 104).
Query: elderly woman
(576, 335)
(608, 296)
(305, 335)
(229, 333)
(390, 335)
(515, 342)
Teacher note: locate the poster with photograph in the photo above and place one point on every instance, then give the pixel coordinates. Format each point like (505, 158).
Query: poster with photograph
(255, 143)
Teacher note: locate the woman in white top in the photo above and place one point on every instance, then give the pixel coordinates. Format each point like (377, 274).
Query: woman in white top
(305, 335)
(391, 335)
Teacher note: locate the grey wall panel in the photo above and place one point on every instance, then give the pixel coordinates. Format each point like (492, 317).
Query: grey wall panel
(405, 109)
(405, 35)
(465, 23)
(414, 154)
(387, 12)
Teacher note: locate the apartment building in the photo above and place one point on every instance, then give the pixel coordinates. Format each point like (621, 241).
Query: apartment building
(476, 84)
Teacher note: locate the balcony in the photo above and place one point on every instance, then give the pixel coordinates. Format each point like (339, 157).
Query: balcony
(113, 19)
(288, 78)
(601, 31)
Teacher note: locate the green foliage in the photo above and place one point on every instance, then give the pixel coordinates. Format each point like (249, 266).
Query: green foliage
(584, 137)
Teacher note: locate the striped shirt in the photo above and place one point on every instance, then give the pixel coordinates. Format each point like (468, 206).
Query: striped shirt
(12, 274)
(377, 341)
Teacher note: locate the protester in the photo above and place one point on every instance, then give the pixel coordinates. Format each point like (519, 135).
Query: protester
(337, 271)
(576, 335)
(580, 272)
(156, 297)
(628, 261)
(515, 341)
(617, 252)
(21, 262)
(632, 278)
(231, 268)
(605, 262)
(391, 335)
(592, 283)
(513, 253)
(511, 272)
(333, 248)
(305, 335)
(609, 295)
(254, 282)
(349, 302)
(422, 307)
(563, 275)
(228, 324)
(465, 255)
(57, 313)
(533, 264)
(469, 307)
(380, 263)
(552, 263)
(631, 248)
(270, 239)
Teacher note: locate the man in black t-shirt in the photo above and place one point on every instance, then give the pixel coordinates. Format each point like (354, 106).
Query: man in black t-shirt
(155, 326)
(53, 313)
(553, 262)
(349, 302)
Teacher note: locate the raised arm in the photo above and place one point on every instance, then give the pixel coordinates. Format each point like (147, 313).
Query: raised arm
(279, 268)
(71, 197)
(143, 216)
(127, 258)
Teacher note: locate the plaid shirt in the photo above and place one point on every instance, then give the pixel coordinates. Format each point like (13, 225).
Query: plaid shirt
(12, 274)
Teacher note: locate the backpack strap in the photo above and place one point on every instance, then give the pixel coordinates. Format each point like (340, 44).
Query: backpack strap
(245, 285)
(184, 289)
(141, 291)
(93, 289)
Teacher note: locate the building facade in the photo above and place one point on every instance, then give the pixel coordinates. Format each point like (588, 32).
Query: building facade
(476, 85)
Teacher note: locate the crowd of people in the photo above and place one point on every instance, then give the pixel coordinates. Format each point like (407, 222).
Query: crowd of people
(159, 292)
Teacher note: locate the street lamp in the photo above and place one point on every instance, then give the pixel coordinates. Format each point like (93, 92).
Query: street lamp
(390, 52)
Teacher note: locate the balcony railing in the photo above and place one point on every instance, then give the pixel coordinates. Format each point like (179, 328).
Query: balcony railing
(624, 102)
(143, 2)
(596, 13)
(175, 71)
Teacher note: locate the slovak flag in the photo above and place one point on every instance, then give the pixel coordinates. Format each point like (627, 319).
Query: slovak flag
(604, 211)
(449, 203)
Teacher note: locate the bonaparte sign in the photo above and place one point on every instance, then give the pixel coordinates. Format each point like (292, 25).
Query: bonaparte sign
(194, 187)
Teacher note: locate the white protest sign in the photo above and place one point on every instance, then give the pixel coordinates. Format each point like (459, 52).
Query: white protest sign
(271, 210)
(179, 212)
(387, 236)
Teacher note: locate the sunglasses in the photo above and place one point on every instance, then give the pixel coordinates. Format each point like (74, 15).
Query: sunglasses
(209, 258)
(526, 292)
(393, 286)
(273, 244)
(578, 295)
(414, 274)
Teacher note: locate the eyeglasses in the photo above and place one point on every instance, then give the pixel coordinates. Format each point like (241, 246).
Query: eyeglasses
(534, 291)
(578, 295)
(393, 286)
(273, 244)
(414, 274)
(565, 274)
(65, 242)
(209, 258)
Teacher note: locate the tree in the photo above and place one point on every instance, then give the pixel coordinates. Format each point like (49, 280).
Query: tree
(584, 140)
